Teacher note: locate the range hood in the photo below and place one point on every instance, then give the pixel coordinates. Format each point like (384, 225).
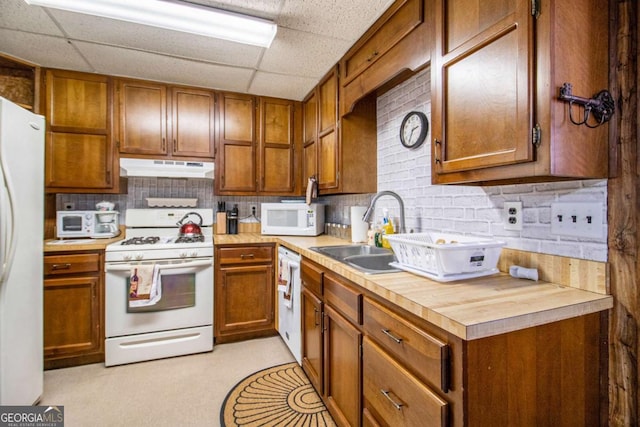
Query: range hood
(165, 168)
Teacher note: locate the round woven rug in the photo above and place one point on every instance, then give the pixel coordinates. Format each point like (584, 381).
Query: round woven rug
(278, 396)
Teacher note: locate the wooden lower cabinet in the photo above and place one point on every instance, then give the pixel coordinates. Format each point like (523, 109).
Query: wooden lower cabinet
(73, 309)
(367, 356)
(243, 292)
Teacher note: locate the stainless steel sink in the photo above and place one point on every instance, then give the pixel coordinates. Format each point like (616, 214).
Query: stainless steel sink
(368, 259)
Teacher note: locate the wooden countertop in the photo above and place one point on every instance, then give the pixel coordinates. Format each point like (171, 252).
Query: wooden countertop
(470, 309)
(66, 245)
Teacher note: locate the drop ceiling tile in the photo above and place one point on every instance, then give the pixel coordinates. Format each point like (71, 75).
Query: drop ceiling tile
(47, 51)
(346, 20)
(150, 66)
(282, 85)
(18, 15)
(302, 54)
(267, 9)
(152, 39)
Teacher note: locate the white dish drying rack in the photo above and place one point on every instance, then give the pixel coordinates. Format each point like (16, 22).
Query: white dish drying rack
(445, 257)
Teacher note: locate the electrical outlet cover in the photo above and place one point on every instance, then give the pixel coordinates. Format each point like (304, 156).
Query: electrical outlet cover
(513, 216)
(578, 219)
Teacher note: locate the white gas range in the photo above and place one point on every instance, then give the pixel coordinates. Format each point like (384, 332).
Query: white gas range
(173, 313)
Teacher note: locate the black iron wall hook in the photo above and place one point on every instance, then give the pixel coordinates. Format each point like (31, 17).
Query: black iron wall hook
(602, 106)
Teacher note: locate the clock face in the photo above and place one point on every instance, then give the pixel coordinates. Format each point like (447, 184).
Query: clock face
(413, 130)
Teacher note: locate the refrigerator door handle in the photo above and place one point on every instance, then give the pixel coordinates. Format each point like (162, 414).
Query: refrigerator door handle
(7, 224)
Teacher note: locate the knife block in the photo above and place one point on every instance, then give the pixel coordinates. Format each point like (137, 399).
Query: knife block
(221, 223)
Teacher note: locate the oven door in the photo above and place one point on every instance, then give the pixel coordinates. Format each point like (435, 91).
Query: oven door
(186, 297)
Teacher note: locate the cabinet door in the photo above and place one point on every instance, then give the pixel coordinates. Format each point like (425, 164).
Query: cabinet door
(328, 139)
(78, 116)
(142, 117)
(277, 146)
(72, 317)
(310, 137)
(236, 165)
(193, 117)
(244, 299)
(482, 85)
(312, 345)
(342, 368)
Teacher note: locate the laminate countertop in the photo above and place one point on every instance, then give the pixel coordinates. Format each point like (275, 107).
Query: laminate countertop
(470, 309)
(66, 245)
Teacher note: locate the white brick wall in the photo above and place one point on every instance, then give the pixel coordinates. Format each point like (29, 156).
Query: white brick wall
(466, 209)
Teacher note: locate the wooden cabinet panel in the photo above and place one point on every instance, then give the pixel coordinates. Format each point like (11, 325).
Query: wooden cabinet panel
(485, 88)
(496, 74)
(78, 112)
(311, 276)
(71, 264)
(277, 146)
(395, 396)
(404, 17)
(344, 298)
(245, 298)
(312, 339)
(71, 311)
(245, 255)
(193, 114)
(73, 316)
(310, 130)
(328, 140)
(236, 154)
(343, 368)
(142, 117)
(424, 354)
(244, 292)
(77, 101)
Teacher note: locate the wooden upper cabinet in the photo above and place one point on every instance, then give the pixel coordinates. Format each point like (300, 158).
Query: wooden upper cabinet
(328, 139)
(310, 138)
(78, 112)
(484, 95)
(276, 146)
(193, 122)
(142, 117)
(236, 154)
(395, 46)
(496, 74)
(160, 120)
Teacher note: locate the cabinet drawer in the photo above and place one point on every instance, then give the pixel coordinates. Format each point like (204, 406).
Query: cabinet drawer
(427, 356)
(71, 264)
(399, 24)
(395, 396)
(311, 276)
(343, 298)
(245, 254)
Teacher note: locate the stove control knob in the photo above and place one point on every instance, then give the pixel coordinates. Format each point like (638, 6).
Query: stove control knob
(194, 254)
(183, 254)
(139, 256)
(126, 257)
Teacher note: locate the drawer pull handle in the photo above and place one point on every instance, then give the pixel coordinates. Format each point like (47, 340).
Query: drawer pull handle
(247, 256)
(387, 394)
(315, 317)
(390, 335)
(60, 267)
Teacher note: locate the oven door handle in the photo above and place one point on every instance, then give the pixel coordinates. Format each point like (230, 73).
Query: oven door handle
(128, 267)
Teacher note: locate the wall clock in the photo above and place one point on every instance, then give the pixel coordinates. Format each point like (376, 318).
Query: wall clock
(414, 129)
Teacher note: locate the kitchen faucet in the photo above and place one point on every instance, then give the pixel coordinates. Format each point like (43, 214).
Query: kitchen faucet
(372, 205)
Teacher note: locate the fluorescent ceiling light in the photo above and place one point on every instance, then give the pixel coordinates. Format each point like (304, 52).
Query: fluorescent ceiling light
(176, 16)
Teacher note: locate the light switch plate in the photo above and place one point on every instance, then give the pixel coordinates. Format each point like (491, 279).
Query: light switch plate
(578, 219)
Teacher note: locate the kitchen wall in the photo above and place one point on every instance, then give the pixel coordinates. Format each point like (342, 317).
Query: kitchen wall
(457, 209)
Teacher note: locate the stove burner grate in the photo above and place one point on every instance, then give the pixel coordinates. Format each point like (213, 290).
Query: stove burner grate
(141, 240)
(190, 239)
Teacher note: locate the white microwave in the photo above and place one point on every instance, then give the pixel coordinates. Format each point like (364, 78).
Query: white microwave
(292, 219)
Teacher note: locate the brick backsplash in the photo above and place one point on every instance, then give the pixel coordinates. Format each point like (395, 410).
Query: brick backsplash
(466, 210)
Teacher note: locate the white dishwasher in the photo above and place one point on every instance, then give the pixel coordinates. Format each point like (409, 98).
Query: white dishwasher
(289, 289)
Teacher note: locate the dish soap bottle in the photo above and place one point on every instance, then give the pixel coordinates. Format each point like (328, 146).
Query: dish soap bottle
(387, 228)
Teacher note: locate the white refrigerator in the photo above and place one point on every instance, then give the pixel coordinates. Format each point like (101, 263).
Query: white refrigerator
(21, 257)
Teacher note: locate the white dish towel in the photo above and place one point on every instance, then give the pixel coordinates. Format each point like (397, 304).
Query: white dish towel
(284, 282)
